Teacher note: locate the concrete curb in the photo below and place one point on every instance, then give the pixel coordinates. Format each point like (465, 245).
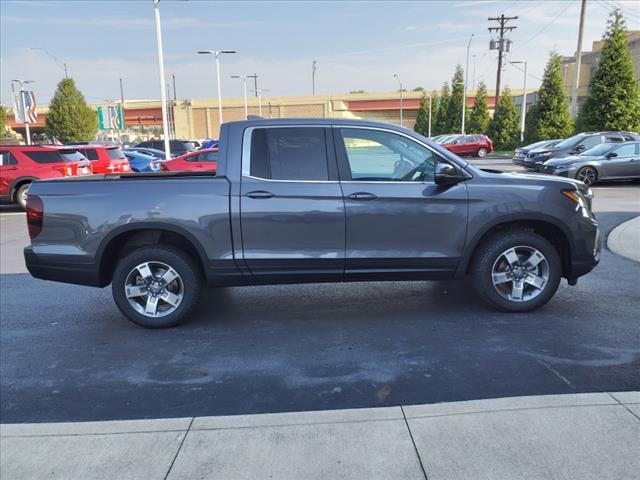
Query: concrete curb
(624, 240)
(589, 435)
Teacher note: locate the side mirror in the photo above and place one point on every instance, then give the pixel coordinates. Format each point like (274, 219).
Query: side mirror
(611, 155)
(447, 174)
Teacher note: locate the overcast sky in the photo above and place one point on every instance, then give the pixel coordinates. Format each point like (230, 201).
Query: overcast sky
(358, 45)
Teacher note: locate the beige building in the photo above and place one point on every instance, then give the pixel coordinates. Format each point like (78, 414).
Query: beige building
(590, 62)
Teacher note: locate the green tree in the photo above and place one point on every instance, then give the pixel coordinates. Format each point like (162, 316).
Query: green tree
(454, 107)
(530, 124)
(479, 117)
(614, 101)
(422, 119)
(3, 114)
(504, 128)
(551, 118)
(418, 89)
(440, 125)
(69, 117)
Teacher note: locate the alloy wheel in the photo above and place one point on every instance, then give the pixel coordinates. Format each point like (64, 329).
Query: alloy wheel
(482, 152)
(520, 273)
(587, 175)
(154, 289)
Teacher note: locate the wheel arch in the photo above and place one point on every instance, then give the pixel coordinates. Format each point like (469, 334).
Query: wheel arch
(548, 227)
(17, 183)
(128, 237)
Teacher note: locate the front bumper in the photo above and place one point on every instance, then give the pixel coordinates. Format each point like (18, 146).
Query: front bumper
(586, 251)
(567, 172)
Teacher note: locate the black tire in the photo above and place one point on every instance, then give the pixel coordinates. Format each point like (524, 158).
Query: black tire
(181, 263)
(588, 175)
(482, 152)
(21, 195)
(488, 253)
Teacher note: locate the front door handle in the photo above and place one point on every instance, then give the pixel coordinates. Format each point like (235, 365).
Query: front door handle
(362, 196)
(259, 194)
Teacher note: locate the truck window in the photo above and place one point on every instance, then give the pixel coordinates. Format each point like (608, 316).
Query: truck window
(379, 156)
(289, 154)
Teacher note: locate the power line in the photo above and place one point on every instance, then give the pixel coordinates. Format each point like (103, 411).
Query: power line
(528, 74)
(543, 28)
(609, 7)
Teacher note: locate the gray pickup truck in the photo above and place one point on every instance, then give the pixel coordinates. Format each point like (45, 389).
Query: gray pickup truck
(312, 200)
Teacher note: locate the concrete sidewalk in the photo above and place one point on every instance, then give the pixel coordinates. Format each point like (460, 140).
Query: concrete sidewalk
(625, 239)
(581, 436)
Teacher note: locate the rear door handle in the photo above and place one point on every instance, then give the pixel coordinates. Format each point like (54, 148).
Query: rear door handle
(259, 194)
(362, 196)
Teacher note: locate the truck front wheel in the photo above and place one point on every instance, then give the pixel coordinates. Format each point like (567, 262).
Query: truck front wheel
(516, 271)
(156, 286)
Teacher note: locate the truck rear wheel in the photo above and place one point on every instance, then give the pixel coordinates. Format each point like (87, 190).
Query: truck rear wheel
(516, 271)
(156, 286)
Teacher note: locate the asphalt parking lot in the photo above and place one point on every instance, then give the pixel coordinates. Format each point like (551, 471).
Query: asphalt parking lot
(67, 355)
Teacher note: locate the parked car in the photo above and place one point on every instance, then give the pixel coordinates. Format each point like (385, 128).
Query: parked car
(575, 145)
(178, 147)
(312, 200)
(20, 165)
(159, 154)
(105, 159)
(195, 161)
(522, 152)
(476, 145)
(607, 161)
(140, 162)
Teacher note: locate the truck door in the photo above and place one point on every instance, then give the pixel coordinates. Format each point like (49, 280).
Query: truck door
(398, 219)
(291, 205)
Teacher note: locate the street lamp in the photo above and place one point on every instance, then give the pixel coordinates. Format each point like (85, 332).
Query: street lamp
(58, 62)
(163, 91)
(524, 99)
(217, 54)
(244, 82)
(24, 109)
(314, 67)
(466, 79)
(259, 92)
(430, 101)
(400, 83)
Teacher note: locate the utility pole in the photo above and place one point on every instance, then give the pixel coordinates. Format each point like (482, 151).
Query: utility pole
(255, 83)
(574, 90)
(466, 80)
(173, 78)
(430, 101)
(502, 29)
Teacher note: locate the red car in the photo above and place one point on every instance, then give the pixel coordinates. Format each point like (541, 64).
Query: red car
(476, 145)
(105, 159)
(198, 161)
(22, 164)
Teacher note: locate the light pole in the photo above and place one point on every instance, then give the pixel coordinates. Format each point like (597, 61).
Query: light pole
(244, 83)
(314, 67)
(58, 62)
(163, 91)
(524, 100)
(217, 54)
(430, 100)
(22, 104)
(466, 79)
(259, 92)
(400, 83)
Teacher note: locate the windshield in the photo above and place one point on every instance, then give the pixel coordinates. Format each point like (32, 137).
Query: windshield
(599, 150)
(570, 142)
(115, 153)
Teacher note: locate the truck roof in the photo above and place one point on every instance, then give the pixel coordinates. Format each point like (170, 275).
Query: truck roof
(314, 121)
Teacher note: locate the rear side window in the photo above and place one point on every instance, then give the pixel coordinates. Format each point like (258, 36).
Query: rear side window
(289, 154)
(7, 159)
(115, 153)
(591, 141)
(90, 153)
(45, 156)
(613, 139)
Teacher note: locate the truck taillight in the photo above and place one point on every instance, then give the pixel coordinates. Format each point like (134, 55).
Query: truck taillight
(35, 211)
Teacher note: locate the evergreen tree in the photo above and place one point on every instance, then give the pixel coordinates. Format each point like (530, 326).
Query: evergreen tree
(530, 124)
(504, 128)
(551, 119)
(440, 125)
(454, 107)
(613, 102)
(69, 117)
(422, 119)
(479, 118)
